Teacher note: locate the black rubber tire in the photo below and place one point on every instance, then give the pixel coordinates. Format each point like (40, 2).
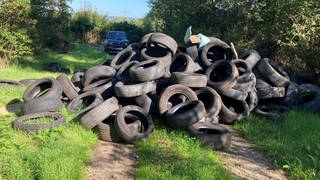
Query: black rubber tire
(189, 79)
(20, 124)
(235, 94)
(163, 39)
(211, 100)
(213, 135)
(94, 99)
(146, 103)
(181, 62)
(67, 86)
(76, 79)
(232, 110)
(222, 75)
(99, 113)
(193, 52)
(197, 68)
(271, 111)
(122, 58)
(97, 73)
(167, 73)
(161, 54)
(246, 86)
(252, 99)
(45, 88)
(124, 130)
(96, 84)
(106, 90)
(41, 105)
(215, 50)
(273, 72)
(123, 73)
(146, 71)
(243, 69)
(251, 57)
(162, 84)
(8, 82)
(265, 91)
(185, 114)
(134, 90)
(176, 89)
(292, 91)
(308, 97)
(77, 76)
(145, 39)
(107, 130)
(27, 82)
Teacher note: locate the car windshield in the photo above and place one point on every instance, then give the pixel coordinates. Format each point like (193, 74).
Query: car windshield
(117, 35)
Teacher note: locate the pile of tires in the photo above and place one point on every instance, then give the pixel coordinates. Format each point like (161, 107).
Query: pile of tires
(185, 87)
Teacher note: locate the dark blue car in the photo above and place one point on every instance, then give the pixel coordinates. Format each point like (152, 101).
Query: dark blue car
(115, 41)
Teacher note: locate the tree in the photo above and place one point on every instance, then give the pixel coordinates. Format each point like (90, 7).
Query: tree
(88, 25)
(14, 24)
(52, 23)
(285, 30)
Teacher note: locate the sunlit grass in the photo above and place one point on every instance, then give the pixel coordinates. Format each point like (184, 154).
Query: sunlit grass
(173, 154)
(59, 153)
(293, 144)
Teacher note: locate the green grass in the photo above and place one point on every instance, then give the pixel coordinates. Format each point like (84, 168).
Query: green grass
(173, 154)
(79, 57)
(59, 153)
(293, 144)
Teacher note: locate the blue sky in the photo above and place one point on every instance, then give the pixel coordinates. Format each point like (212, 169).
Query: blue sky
(127, 8)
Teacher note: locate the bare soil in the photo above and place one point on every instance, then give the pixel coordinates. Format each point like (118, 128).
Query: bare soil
(111, 161)
(244, 161)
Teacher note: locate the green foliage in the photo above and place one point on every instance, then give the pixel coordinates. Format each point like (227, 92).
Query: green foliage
(174, 154)
(132, 30)
(79, 57)
(292, 143)
(89, 26)
(14, 23)
(287, 31)
(52, 28)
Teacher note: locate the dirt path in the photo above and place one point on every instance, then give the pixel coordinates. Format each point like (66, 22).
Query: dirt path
(111, 161)
(245, 162)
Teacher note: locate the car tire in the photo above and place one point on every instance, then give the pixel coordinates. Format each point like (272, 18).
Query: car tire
(222, 75)
(99, 113)
(176, 89)
(213, 135)
(45, 88)
(20, 122)
(124, 130)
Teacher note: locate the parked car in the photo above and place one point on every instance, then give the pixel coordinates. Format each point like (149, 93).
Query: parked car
(115, 41)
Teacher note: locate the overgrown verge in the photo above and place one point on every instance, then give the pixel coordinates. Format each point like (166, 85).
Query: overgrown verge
(292, 143)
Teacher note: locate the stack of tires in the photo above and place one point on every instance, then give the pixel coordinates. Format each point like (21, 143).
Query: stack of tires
(42, 99)
(187, 88)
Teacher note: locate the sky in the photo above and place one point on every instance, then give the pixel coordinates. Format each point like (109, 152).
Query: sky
(125, 8)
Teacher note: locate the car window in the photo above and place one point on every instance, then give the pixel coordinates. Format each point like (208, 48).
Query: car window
(117, 35)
